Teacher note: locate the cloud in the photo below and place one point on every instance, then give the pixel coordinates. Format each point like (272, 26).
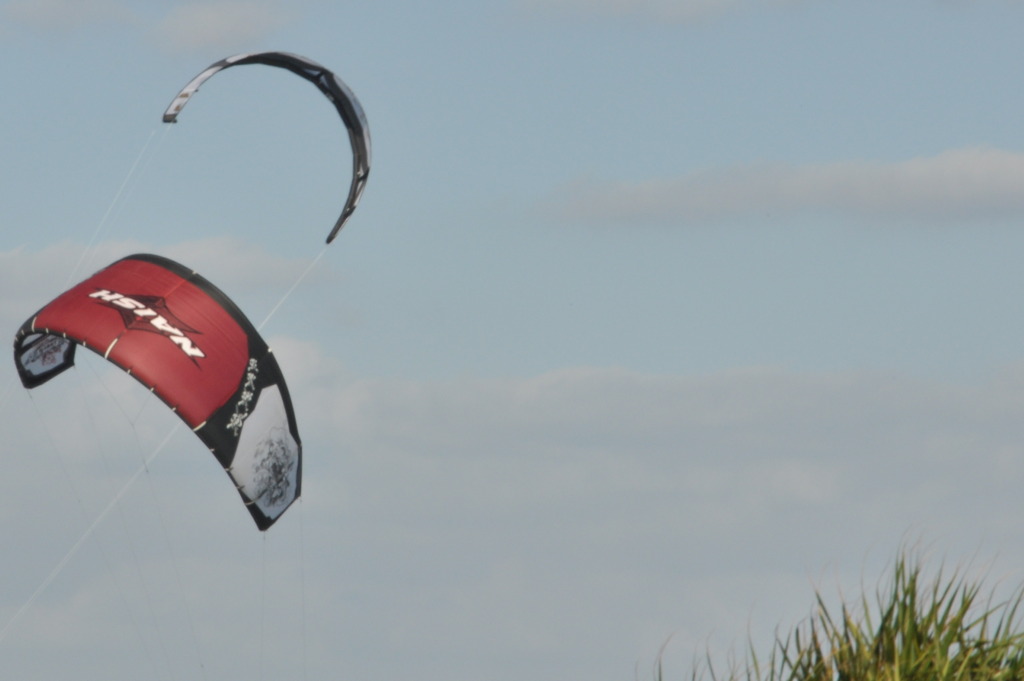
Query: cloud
(591, 495)
(565, 522)
(732, 449)
(961, 184)
(221, 24)
(64, 15)
(199, 25)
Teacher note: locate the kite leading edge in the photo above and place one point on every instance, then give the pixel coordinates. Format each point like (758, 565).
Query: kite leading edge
(330, 85)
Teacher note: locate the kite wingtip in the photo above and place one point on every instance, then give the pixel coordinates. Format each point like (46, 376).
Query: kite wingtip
(337, 228)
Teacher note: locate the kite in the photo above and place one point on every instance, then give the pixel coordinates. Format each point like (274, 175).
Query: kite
(334, 89)
(186, 341)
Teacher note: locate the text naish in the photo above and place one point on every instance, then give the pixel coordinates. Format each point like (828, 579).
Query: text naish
(155, 319)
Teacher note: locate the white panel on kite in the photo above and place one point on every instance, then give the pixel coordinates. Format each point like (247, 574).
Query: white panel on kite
(266, 464)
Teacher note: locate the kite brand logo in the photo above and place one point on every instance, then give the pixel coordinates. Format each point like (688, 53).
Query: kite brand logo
(150, 313)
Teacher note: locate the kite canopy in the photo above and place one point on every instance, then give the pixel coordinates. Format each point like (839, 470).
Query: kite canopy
(334, 89)
(182, 338)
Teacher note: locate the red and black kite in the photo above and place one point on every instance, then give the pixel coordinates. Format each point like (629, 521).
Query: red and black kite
(182, 338)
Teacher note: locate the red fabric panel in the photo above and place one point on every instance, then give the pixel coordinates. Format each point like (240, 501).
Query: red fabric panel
(185, 346)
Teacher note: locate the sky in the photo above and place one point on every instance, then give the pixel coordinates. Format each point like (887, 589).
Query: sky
(656, 318)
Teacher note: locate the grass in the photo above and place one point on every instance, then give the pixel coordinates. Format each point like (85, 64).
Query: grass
(941, 629)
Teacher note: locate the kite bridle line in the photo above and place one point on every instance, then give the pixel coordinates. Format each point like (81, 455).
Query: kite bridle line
(136, 170)
(114, 503)
(55, 572)
(295, 285)
(120, 196)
